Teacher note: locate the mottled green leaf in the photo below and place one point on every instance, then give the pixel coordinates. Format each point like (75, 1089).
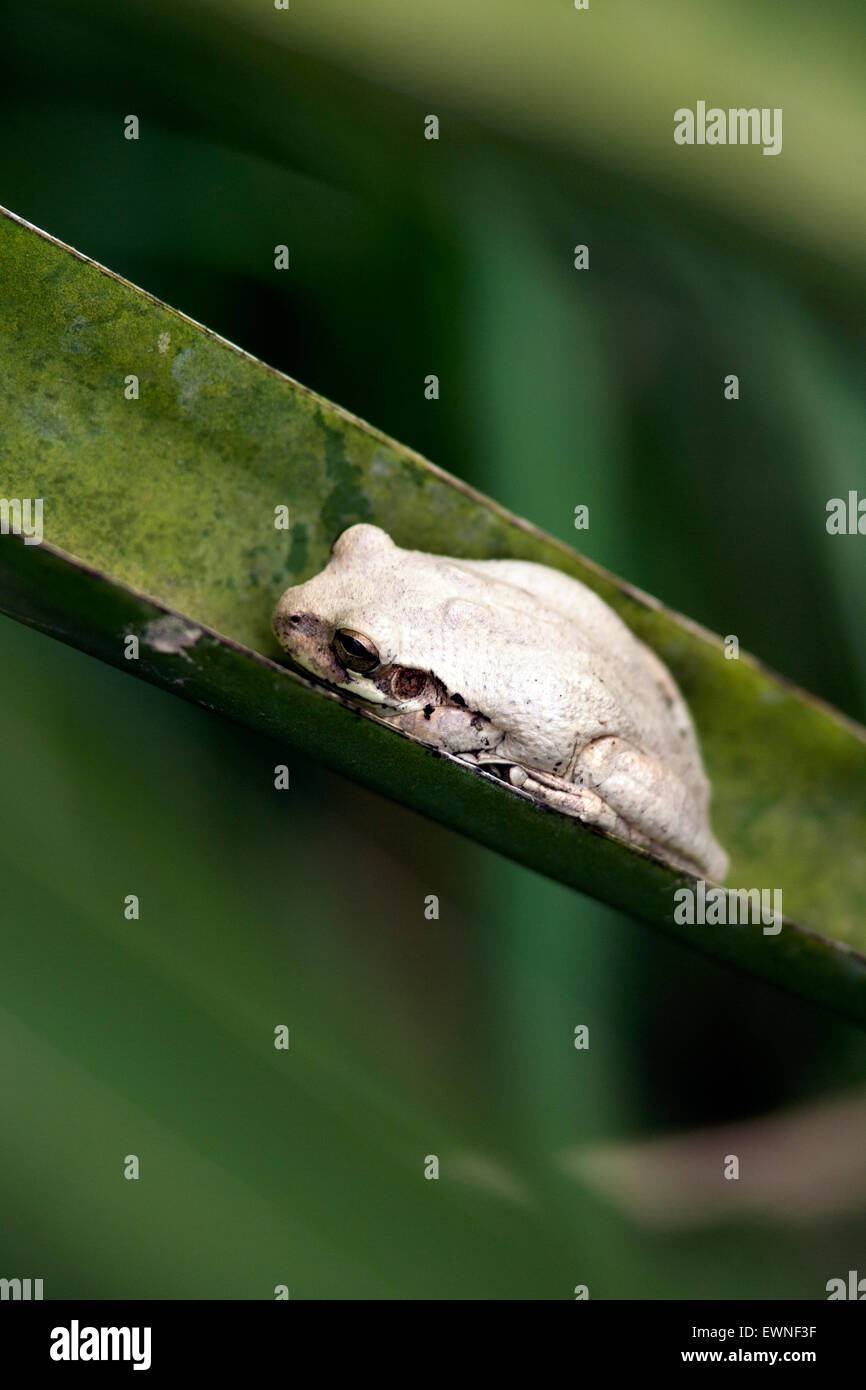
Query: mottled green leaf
(159, 522)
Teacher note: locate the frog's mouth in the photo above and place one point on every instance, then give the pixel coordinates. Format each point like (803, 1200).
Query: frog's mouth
(294, 661)
(338, 684)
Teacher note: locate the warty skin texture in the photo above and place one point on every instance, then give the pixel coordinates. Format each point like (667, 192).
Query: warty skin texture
(513, 663)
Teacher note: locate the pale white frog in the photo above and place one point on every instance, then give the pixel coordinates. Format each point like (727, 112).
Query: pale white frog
(511, 664)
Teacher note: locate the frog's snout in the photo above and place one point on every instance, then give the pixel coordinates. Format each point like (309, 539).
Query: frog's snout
(287, 621)
(308, 643)
(284, 624)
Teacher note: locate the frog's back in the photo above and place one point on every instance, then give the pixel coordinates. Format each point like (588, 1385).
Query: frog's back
(636, 679)
(566, 595)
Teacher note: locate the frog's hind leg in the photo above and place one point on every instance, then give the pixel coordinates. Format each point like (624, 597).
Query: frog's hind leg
(663, 810)
(590, 804)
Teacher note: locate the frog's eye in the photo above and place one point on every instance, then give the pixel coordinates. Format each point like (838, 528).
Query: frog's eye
(355, 650)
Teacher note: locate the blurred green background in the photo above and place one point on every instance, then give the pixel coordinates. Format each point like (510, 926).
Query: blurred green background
(453, 1037)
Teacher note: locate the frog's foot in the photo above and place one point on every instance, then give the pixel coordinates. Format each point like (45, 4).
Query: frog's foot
(590, 807)
(573, 800)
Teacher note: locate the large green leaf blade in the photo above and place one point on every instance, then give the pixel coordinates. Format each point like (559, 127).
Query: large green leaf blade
(164, 505)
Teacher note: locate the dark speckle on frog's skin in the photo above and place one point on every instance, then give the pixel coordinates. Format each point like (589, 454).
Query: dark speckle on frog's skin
(457, 699)
(428, 710)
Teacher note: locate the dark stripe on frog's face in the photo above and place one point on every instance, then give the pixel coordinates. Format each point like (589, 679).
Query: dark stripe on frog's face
(308, 642)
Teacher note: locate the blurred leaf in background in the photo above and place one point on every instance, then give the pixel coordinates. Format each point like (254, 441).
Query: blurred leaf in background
(412, 1037)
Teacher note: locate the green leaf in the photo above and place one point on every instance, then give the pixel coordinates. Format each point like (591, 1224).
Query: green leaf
(159, 522)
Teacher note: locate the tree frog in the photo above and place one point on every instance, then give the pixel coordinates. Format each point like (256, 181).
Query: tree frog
(519, 668)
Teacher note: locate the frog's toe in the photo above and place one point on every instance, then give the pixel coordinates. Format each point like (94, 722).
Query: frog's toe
(569, 798)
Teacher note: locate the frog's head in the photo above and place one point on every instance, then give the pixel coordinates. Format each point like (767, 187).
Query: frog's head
(344, 624)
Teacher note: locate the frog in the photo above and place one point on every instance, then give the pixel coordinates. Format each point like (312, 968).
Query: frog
(517, 669)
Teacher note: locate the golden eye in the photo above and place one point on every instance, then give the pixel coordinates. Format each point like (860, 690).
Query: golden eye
(355, 650)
